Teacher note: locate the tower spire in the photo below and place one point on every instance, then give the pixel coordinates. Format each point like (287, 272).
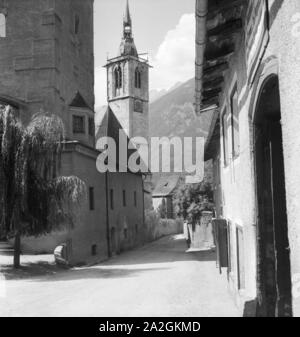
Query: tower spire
(127, 45)
(127, 17)
(127, 23)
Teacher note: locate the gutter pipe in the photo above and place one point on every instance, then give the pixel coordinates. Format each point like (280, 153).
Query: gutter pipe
(201, 17)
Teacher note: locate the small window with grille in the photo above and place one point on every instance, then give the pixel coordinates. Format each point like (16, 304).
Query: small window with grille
(78, 124)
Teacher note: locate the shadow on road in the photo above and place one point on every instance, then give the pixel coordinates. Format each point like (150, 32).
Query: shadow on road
(30, 270)
(170, 249)
(129, 264)
(52, 273)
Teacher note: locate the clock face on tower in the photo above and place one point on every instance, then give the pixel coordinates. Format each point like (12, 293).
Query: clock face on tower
(138, 106)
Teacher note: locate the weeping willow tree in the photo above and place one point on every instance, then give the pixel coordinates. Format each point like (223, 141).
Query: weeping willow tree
(34, 199)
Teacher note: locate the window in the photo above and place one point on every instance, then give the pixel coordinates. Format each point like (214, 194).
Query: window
(111, 199)
(240, 258)
(91, 198)
(225, 137)
(124, 198)
(118, 78)
(135, 199)
(91, 127)
(76, 24)
(137, 79)
(78, 124)
(94, 250)
(229, 240)
(235, 125)
(2, 25)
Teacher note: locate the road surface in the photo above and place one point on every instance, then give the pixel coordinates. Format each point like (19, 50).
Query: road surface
(160, 279)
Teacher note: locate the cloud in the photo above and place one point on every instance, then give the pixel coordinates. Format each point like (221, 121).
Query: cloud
(175, 59)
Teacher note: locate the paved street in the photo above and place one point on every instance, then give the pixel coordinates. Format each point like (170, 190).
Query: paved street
(160, 279)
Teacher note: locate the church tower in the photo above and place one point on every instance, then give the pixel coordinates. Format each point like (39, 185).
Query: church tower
(47, 62)
(128, 84)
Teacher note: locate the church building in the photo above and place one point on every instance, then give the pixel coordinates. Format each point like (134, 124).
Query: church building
(128, 111)
(47, 64)
(128, 85)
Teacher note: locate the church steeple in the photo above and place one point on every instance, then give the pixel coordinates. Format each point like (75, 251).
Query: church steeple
(127, 47)
(128, 84)
(127, 19)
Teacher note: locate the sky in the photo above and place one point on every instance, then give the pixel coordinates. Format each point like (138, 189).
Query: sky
(165, 29)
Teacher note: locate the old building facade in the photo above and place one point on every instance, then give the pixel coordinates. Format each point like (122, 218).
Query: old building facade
(125, 191)
(164, 194)
(47, 57)
(247, 75)
(47, 65)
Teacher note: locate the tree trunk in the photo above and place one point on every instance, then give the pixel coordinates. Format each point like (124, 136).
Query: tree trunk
(17, 250)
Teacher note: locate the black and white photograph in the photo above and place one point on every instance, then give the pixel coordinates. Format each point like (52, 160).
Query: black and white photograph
(149, 161)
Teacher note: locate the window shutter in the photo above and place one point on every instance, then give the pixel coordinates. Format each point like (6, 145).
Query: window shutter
(221, 239)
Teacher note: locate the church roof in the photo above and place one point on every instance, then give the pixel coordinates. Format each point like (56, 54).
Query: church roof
(110, 127)
(166, 186)
(79, 102)
(128, 48)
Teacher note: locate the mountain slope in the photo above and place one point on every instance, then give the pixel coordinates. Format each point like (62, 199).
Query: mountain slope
(173, 114)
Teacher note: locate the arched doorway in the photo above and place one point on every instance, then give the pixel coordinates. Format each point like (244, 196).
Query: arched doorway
(274, 275)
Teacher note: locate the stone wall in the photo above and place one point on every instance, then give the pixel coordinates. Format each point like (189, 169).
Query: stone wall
(238, 178)
(156, 228)
(285, 46)
(126, 220)
(90, 224)
(43, 63)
